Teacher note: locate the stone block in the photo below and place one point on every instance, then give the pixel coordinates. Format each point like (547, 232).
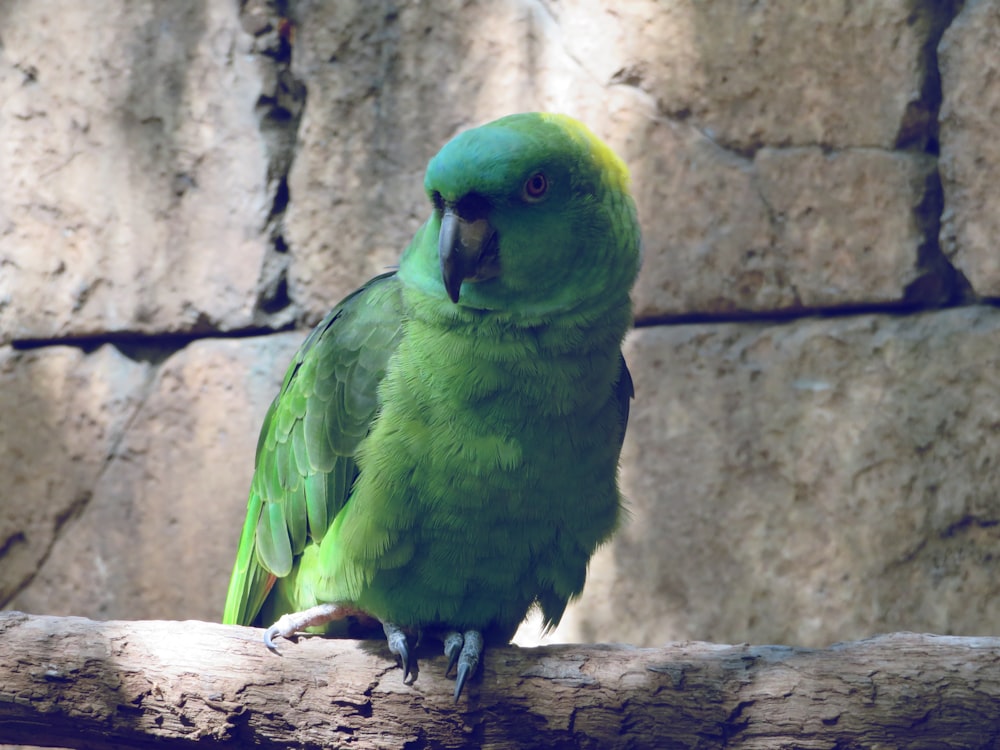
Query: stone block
(157, 536)
(806, 483)
(849, 225)
(788, 73)
(791, 229)
(970, 149)
(135, 188)
(63, 415)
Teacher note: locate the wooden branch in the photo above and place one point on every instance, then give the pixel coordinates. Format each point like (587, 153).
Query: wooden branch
(68, 681)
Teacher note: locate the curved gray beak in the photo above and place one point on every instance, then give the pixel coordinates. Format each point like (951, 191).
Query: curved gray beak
(467, 251)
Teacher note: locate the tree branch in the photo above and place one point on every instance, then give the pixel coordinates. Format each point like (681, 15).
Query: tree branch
(73, 682)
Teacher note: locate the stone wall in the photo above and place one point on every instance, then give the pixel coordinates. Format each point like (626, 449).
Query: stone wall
(814, 451)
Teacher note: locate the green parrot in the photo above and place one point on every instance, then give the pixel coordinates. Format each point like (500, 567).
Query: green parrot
(443, 453)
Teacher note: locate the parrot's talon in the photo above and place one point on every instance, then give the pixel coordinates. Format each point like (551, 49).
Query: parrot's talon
(400, 646)
(269, 636)
(452, 648)
(468, 659)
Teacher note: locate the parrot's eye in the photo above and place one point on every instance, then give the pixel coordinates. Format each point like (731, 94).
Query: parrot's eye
(535, 186)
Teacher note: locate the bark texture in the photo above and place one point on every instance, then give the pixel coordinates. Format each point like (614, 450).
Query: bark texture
(81, 683)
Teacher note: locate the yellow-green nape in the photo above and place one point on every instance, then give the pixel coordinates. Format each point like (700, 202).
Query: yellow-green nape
(612, 168)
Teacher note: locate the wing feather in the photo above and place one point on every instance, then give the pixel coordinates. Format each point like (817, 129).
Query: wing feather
(305, 456)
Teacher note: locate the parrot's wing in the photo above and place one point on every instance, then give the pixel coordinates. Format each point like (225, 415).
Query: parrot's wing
(305, 465)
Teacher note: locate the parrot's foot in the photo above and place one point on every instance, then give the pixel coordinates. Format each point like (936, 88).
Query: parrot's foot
(401, 647)
(288, 625)
(465, 650)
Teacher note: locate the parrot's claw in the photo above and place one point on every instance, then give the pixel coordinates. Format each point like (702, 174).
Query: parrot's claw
(400, 646)
(288, 625)
(269, 637)
(468, 658)
(452, 648)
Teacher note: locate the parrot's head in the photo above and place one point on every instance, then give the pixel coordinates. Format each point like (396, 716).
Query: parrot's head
(532, 214)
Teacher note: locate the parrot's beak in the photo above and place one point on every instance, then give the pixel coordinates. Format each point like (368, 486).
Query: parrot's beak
(467, 251)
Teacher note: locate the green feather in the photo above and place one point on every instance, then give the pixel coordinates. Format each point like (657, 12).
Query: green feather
(273, 545)
(301, 481)
(317, 486)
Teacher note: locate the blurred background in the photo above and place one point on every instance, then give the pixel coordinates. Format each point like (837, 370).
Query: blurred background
(814, 449)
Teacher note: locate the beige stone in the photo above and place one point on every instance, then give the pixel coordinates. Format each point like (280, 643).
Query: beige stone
(158, 536)
(788, 73)
(134, 192)
(806, 483)
(709, 239)
(848, 224)
(793, 228)
(62, 415)
(970, 149)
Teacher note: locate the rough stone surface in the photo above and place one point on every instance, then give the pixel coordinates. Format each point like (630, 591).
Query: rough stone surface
(135, 191)
(970, 149)
(62, 415)
(793, 228)
(158, 537)
(806, 483)
(848, 224)
(785, 73)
